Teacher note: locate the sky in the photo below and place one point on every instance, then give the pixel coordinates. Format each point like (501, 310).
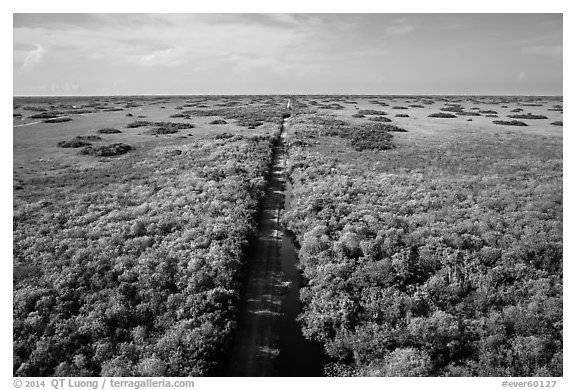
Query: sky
(133, 54)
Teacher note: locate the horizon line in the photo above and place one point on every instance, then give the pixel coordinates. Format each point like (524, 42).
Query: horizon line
(302, 94)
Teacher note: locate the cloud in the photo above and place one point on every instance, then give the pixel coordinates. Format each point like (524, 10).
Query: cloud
(400, 27)
(544, 50)
(167, 57)
(33, 56)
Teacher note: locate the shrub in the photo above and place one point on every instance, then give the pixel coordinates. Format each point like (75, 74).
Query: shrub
(136, 124)
(107, 150)
(402, 115)
(109, 131)
(74, 143)
(442, 115)
(380, 119)
(45, 115)
(510, 123)
(399, 108)
(218, 122)
(358, 116)
(181, 115)
(528, 116)
(162, 131)
(224, 136)
(452, 109)
(165, 125)
(373, 139)
(557, 123)
(372, 112)
(58, 120)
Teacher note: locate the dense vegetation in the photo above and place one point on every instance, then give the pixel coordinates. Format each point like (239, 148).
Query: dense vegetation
(424, 253)
(135, 271)
(431, 259)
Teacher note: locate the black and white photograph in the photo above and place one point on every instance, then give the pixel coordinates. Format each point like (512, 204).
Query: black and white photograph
(316, 195)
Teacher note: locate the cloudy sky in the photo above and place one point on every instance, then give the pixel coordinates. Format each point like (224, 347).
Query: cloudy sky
(109, 54)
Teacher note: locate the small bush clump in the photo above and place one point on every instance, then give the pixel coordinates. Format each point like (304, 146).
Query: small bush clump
(181, 115)
(452, 108)
(528, 116)
(372, 112)
(58, 119)
(136, 124)
(399, 108)
(224, 136)
(442, 115)
(469, 113)
(557, 107)
(402, 115)
(109, 131)
(218, 122)
(162, 131)
(358, 116)
(510, 123)
(44, 115)
(557, 123)
(107, 150)
(166, 125)
(364, 138)
(74, 143)
(380, 119)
